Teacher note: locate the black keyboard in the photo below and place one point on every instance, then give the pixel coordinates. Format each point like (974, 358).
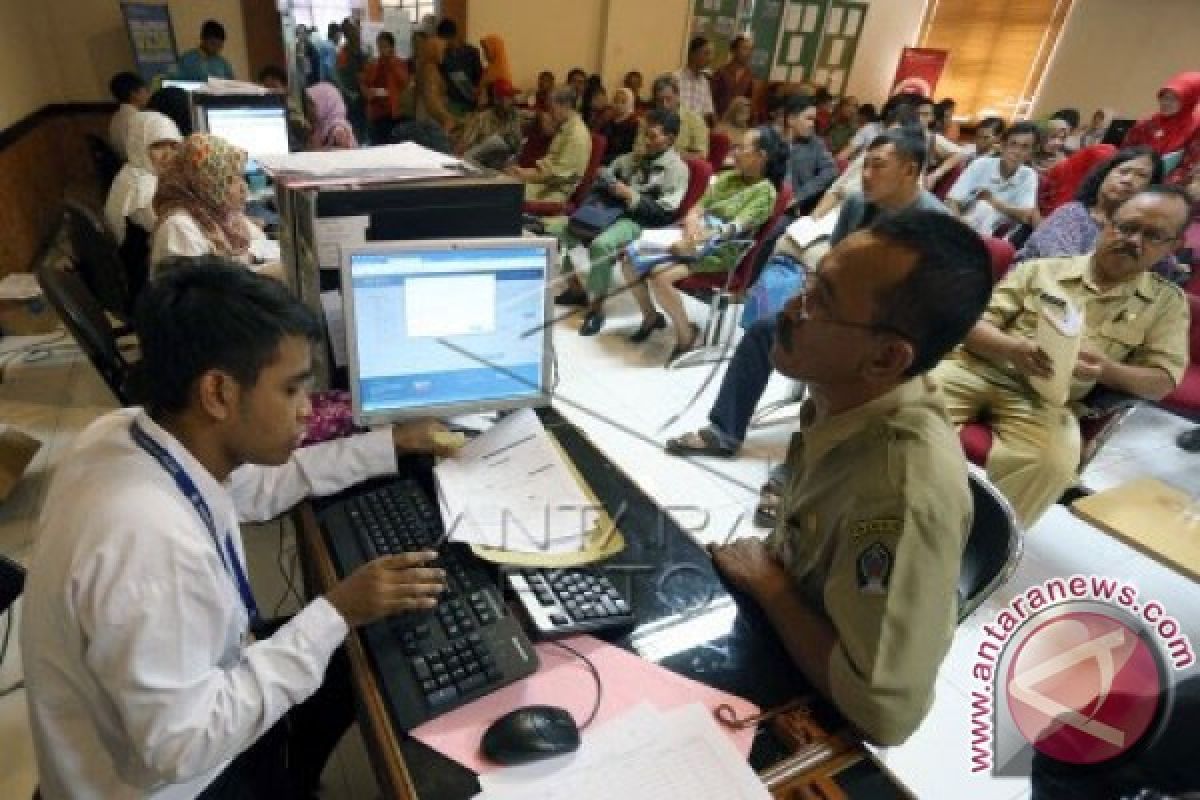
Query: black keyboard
(572, 600)
(428, 662)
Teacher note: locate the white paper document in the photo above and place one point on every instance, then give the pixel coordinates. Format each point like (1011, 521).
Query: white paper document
(510, 488)
(806, 230)
(1060, 335)
(335, 324)
(658, 240)
(643, 755)
(384, 163)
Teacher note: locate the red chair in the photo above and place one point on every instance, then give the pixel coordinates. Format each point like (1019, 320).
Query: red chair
(719, 146)
(1002, 253)
(552, 208)
(723, 290)
(699, 173)
(946, 182)
(535, 146)
(1185, 399)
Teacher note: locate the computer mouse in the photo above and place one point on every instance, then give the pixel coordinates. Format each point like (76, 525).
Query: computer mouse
(530, 734)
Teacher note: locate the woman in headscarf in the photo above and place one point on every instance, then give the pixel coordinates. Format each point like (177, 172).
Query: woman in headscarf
(151, 143)
(1176, 120)
(199, 203)
(497, 68)
(326, 113)
(432, 101)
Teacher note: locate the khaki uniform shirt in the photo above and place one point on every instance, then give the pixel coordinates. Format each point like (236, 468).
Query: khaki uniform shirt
(691, 141)
(1142, 322)
(565, 162)
(874, 520)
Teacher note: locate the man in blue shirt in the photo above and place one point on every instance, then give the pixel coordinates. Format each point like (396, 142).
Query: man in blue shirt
(206, 61)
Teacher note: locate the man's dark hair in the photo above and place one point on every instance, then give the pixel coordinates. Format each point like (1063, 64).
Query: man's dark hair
(1171, 190)
(333, 31)
(867, 112)
(1067, 115)
(775, 149)
(1088, 192)
(447, 28)
(124, 84)
(667, 120)
(544, 73)
(576, 71)
(736, 40)
(386, 36)
(211, 29)
(797, 104)
(896, 104)
(947, 290)
(211, 313)
(822, 96)
(909, 144)
(696, 44)
(1022, 128)
(174, 103)
(272, 71)
(995, 123)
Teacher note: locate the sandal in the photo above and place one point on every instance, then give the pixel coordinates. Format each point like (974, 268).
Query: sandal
(681, 350)
(766, 514)
(709, 445)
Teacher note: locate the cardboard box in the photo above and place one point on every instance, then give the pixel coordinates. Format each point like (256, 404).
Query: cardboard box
(27, 316)
(16, 451)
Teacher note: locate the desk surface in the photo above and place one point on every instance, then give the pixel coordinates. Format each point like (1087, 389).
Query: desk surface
(687, 622)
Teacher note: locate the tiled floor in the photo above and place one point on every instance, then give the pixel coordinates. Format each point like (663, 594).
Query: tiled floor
(623, 398)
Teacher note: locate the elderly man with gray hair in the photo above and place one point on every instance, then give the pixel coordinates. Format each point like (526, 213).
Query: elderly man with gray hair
(556, 175)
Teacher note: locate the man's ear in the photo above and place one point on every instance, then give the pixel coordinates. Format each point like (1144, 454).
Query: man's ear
(217, 394)
(890, 360)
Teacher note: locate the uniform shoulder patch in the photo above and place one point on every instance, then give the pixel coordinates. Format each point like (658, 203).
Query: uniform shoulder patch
(886, 526)
(874, 568)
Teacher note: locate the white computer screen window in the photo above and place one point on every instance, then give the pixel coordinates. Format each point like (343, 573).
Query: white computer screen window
(258, 131)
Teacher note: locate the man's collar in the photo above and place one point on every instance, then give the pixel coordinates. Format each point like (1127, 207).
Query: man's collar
(1084, 268)
(216, 494)
(822, 434)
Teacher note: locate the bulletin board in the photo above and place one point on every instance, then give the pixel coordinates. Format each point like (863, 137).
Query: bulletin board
(152, 38)
(808, 40)
(719, 21)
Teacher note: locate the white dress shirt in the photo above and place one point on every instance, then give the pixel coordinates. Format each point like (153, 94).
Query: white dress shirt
(178, 234)
(139, 681)
(118, 128)
(695, 92)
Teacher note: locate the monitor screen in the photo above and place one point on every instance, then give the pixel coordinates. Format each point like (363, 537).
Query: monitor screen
(260, 131)
(442, 327)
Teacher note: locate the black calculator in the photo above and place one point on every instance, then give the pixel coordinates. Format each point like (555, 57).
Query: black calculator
(571, 600)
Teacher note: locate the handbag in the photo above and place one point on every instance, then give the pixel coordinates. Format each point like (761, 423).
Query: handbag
(781, 279)
(594, 216)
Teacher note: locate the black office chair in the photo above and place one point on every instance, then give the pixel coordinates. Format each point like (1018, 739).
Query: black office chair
(84, 317)
(135, 254)
(104, 159)
(993, 545)
(12, 582)
(98, 260)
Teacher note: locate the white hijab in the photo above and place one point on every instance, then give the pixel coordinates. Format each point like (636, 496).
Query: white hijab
(134, 187)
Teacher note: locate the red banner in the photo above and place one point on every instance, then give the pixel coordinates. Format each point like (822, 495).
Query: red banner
(918, 71)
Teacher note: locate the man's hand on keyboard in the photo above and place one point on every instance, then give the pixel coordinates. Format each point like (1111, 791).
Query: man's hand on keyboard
(426, 436)
(388, 585)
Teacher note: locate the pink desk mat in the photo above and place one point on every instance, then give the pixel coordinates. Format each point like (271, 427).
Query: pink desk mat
(565, 681)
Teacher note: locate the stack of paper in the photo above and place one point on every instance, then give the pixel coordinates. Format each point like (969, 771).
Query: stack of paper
(658, 240)
(643, 755)
(1060, 336)
(807, 230)
(223, 86)
(393, 162)
(510, 488)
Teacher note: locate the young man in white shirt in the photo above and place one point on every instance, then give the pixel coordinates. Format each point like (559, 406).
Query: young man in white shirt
(131, 92)
(996, 191)
(695, 91)
(144, 675)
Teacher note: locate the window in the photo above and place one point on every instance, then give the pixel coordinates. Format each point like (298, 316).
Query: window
(320, 13)
(998, 51)
(417, 9)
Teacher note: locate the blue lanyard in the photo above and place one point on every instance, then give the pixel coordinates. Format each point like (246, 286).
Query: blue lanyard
(228, 554)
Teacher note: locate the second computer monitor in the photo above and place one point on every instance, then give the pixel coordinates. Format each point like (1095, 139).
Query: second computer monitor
(437, 327)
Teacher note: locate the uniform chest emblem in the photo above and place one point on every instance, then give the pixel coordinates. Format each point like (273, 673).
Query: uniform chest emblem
(874, 568)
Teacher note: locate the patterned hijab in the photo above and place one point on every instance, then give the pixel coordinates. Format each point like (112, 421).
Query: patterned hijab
(198, 182)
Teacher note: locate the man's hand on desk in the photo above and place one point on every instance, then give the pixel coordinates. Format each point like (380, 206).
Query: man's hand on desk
(750, 567)
(388, 585)
(426, 436)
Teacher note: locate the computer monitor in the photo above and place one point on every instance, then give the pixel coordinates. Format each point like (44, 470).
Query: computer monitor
(441, 327)
(259, 130)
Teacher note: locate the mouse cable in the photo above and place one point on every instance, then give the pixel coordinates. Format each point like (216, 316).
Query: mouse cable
(595, 675)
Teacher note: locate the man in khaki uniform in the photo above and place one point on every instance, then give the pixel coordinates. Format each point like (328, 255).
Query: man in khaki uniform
(1135, 341)
(692, 141)
(860, 576)
(558, 173)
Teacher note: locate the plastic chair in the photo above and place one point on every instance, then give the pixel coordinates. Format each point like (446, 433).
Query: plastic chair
(85, 319)
(722, 292)
(98, 259)
(993, 546)
(946, 182)
(1002, 254)
(719, 145)
(549, 208)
